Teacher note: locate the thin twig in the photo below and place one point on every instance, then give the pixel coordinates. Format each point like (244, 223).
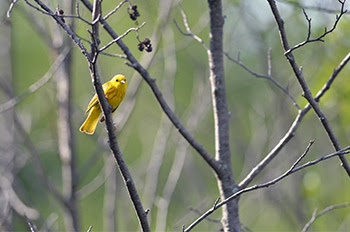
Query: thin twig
(324, 34)
(94, 184)
(306, 91)
(290, 171)
(90, 229)
(56, 14)
(35, 156)
(31, 225)
(114, 55)
(106, 108)
(115, 9)
(122, 36)
(16, 203)
(268, 77)
(12, 4)
(37, 85)
(188, 29)
(292, 130)
(156, 91)
(326, 210)
(107, 111)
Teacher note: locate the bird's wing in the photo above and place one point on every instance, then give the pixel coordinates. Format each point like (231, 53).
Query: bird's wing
(94, 100)
(92, 103)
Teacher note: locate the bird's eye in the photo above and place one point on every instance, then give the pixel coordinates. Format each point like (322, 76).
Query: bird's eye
(116, 80)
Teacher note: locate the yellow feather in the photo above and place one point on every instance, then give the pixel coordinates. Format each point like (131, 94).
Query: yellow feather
(114, 91)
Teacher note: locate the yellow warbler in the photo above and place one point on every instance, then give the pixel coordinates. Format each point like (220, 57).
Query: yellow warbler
(114, 91)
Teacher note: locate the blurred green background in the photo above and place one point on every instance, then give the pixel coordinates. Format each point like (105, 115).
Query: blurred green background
(260, 115)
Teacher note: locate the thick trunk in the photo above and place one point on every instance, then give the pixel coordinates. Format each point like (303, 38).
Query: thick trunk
(226, 183)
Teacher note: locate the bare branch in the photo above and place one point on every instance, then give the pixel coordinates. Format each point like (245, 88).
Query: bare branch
(15, 202)
(292, 130)
(115, 9)
(188, 29)
(31, 225)
(269, 66)
(35, 156)
(96, 183)
(156, 91)
(37, 85)
(122, 36)
(268, 77)
(326, 210)
(306, 91)
(107, 111)
(326, 32)
(90, 229)
(114, 55)
(92, 58)
(290, 171)
(12, 4)
(57, 14)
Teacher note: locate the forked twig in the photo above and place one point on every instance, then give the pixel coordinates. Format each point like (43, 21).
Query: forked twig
(290, 171)
(324, 34)
(268, 77)
(121, 36)
(326, 210)
(306, 90)
(188, 29)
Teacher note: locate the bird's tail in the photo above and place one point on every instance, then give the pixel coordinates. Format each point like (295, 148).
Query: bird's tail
(90, 123)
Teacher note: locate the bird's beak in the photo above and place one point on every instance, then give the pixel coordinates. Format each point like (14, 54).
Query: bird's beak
(122, 81)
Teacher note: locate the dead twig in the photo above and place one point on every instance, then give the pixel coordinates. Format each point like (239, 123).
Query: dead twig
(326, 210)
(320, 38)
(268, 76)
(290, 171)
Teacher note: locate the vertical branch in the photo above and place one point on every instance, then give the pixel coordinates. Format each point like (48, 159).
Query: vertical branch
(306, 91)
(107, 111)
(66, 139)
(156, 91)
(230, 218)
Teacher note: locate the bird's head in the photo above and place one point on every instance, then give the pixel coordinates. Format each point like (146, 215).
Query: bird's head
(119, 78)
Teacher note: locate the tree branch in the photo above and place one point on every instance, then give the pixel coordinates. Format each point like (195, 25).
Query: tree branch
(306, 91)
(325, 33)
(268, 77)
(106, 108)
(188, 29)
(326, 210)
(290, 171)
(292, 130)
(156, 91)
(37, 85)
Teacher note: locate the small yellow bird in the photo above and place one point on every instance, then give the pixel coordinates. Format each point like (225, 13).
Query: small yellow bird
(114, 91)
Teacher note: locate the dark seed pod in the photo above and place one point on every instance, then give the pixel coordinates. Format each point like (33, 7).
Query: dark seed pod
(136, 13)
(140, 46)
(132, 16)
(149, 48)
(146, 41)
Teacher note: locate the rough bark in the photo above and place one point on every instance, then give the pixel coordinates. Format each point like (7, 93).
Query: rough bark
(230, 216)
